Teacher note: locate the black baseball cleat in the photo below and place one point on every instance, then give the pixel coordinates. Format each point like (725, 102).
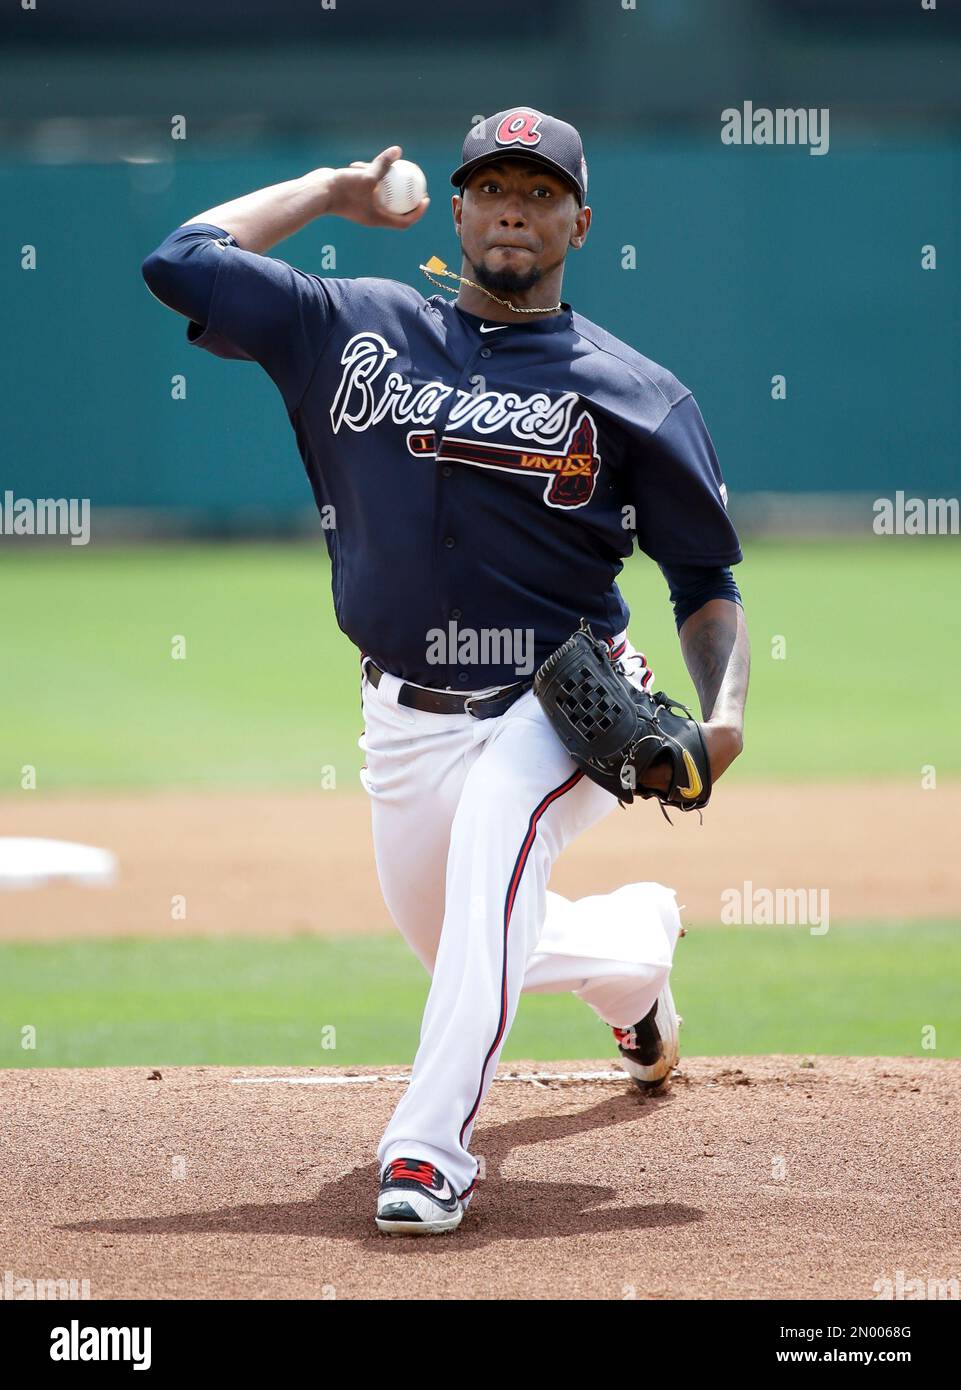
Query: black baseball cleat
(651, 1049)
(416, 1199)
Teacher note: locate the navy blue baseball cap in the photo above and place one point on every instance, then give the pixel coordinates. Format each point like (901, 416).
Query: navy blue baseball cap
(523, 133)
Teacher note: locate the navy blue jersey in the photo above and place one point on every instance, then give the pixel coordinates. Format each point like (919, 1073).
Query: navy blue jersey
(484, 475)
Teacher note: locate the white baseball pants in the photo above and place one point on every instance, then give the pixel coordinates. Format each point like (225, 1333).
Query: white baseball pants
(468, 817)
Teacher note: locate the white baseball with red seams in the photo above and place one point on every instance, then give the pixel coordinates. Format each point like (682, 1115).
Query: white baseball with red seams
(402, 187)
(469, 891)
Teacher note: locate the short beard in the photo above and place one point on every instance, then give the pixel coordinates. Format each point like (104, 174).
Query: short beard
(506, 281)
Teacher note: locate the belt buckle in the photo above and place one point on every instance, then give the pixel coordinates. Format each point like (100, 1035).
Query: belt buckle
(487, 699)
(492, 697)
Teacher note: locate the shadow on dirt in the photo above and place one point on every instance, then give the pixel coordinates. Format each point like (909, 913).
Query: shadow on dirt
(502, 1209)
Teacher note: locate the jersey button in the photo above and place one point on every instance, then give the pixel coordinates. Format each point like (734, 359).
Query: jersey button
(449, 542)
(486, 352)
(446, 471)
(462, 677)
(455, 614)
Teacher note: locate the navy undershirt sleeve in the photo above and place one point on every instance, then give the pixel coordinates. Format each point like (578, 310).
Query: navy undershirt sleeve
(692, 586)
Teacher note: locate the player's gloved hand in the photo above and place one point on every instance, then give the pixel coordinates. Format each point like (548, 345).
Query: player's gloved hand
(351, 193)
(627, 741)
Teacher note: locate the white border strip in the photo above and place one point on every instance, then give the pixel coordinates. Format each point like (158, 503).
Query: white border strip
(529, 1076)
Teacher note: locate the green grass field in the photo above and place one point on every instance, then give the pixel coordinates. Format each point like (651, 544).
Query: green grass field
(862, 990)
(268, 692)
(268, 695)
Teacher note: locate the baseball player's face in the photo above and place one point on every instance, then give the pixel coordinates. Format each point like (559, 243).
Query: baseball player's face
(516, 222)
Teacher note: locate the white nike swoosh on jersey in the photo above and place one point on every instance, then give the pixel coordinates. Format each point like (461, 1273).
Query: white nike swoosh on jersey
(492, 328)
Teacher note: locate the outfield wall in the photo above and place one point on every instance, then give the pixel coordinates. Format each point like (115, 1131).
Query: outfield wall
(750, 263)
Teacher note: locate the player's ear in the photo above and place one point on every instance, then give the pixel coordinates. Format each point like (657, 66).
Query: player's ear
(457, 208)
(580, 228)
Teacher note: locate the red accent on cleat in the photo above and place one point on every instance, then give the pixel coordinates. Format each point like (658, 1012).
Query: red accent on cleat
(420, 1172)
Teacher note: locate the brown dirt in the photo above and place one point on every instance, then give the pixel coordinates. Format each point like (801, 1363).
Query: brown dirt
(266, 862)
(592, 1191)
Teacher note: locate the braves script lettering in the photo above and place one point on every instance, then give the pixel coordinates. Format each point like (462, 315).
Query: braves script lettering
(362, 399)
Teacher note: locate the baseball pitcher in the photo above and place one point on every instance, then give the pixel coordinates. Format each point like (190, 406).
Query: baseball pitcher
(489, 461)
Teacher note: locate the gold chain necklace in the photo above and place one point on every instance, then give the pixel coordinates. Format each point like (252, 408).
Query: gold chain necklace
(437, 266)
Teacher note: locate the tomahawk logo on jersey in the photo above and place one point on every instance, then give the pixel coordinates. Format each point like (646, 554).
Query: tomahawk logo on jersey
(573, 470)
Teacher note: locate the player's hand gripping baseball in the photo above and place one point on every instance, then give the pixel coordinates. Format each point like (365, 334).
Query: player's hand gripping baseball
(352, 193)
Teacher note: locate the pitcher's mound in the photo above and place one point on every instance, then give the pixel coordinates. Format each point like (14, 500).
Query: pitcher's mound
(752, 1177)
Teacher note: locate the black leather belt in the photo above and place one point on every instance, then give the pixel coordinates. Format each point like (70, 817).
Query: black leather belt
(448, 701)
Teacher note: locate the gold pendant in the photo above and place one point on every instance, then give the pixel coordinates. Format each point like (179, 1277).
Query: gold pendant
(435, 266)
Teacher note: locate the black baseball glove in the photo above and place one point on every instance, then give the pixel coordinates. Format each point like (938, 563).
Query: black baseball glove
(616, 733)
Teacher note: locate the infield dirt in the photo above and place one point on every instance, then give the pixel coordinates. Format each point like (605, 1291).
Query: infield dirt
(262, 862)
(749, 1178)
